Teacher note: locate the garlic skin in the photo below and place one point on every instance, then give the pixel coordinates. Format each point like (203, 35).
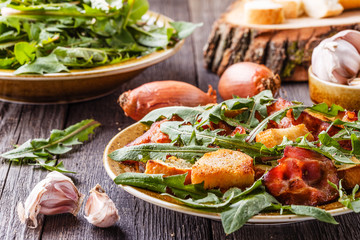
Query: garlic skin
(55, 194)
(337, 59)
(100, 210)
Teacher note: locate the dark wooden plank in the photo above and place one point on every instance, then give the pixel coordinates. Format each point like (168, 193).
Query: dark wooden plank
(139, 220)
(205, 11)
(22, 123)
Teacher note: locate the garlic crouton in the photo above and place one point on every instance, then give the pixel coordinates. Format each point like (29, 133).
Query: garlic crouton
(350, 174)
(172, 166)
(272, 137)
(223, 169)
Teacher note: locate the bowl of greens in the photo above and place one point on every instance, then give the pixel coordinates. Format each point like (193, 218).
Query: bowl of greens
(66, 51)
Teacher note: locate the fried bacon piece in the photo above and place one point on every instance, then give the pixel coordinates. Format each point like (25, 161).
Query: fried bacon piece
(302, 178)
(153, 135)
(238, 129)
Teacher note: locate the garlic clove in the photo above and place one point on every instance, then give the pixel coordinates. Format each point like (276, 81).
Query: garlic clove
(336, 60)
(100, 210)
(55, 194)
(351, 36)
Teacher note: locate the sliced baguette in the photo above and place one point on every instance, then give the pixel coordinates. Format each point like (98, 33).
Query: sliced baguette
(292, 8)
(322, 8)
(263, 12)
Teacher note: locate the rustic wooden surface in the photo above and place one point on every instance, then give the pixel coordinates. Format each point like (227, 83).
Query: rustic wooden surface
(139, 220)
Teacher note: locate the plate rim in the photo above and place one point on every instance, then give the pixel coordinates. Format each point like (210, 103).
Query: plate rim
(257, 219)
(110, 69)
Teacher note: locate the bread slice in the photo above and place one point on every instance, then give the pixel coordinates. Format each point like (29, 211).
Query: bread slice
(272, 137)
(172, 166)
(322, 8)
(263, 12)
(292, 8)
(224, 169)
(350, 4)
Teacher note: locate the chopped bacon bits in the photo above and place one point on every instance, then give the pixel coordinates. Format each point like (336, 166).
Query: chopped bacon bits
(238, 129)
(153, 135)
(302, 178)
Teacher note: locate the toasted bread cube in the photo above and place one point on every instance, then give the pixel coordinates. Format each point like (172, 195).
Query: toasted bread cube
(350, 174)
(272, 137)
(172, 166)
(223, 169)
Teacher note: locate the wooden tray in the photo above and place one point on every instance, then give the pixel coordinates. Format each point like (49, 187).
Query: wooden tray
(285, 48)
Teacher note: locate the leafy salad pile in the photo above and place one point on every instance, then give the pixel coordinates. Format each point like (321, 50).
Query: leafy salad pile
(192, 141)
(50, 36)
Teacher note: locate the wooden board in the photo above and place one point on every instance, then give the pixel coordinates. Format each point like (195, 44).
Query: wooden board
(285, 48)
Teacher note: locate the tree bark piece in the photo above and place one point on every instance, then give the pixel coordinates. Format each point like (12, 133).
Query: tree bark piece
(284, 48)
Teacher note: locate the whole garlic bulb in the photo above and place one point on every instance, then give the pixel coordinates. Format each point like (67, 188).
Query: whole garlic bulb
(337, 59)
(55, 194)
(100, 210)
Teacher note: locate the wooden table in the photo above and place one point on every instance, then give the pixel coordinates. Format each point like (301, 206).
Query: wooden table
(139, 220)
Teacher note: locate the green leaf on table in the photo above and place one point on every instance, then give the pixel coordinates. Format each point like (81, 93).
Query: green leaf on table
(51, 165)
(41, 65)
(38, 151)
(24, 52)
(184, 29)
(314, 212)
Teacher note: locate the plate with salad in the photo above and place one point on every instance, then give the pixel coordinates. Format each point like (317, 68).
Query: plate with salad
(68, 51)
(257, 160)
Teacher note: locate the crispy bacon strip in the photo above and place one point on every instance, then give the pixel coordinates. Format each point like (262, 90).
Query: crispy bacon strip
(302, 178)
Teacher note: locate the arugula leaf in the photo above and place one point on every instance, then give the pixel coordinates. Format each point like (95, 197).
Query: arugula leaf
(215, 203)
(277, 116)
(188, 133)
(188, 114)
(324, 109)
(184, 29)
(314, 212)
(328, 150)
(38, 151)
(158, 151)
(138, 8)
(81, 34)
(24, 52)
(240, 212)
(351, 201)
(159, 183)
(48, 64)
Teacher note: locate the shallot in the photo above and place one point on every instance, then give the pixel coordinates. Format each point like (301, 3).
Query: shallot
(138, 102)
(246, 79)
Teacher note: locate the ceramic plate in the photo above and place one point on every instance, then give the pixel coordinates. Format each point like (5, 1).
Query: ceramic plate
(79, 85)
(114, 168)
